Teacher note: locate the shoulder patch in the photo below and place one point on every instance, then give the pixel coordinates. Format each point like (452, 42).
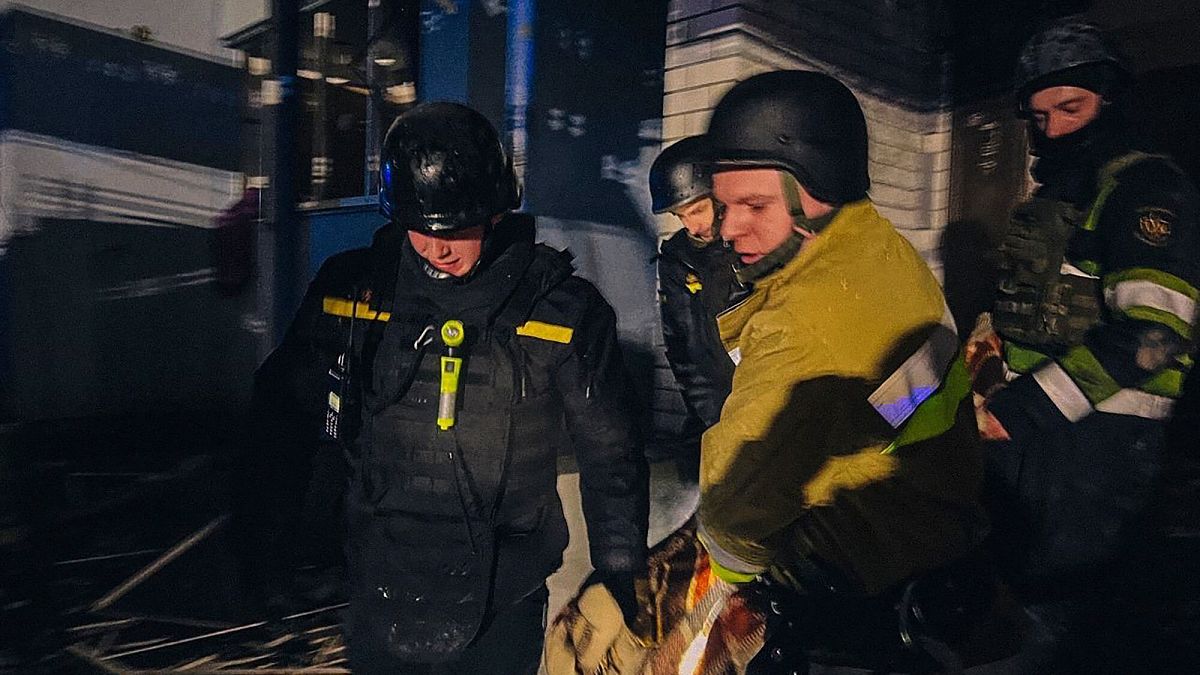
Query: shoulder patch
(546, 331)
(1154, 225)
(345, 308)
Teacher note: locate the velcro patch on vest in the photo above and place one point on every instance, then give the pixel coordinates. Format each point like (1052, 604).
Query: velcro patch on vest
(346, 308)
(546, 331)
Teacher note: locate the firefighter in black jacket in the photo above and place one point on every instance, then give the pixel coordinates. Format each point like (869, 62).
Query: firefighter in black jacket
(1096, 310)
(696, 279)
(458, 355)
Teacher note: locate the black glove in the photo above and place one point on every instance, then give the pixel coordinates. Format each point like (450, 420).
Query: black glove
(786, 631)
(621, 586)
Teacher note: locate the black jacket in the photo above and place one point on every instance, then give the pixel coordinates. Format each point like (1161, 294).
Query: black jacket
(696, 283)
(584, 375)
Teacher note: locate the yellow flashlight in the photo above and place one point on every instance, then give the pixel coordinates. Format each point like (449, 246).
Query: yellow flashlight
(451, 364)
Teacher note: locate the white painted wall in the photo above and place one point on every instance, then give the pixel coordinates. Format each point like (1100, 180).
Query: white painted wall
(909, 151)
(196, 25)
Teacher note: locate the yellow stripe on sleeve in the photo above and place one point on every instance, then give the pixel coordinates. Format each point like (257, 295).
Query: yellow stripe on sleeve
(343, 307)
(546, 331)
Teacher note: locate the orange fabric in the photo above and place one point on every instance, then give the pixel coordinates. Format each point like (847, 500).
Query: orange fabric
(687, 616)
(984, 356)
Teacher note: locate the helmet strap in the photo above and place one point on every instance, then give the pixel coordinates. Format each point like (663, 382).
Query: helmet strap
(791, 194)
(782, 255)
(803, 228)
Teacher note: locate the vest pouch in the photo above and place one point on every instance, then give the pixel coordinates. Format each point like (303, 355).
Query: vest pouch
(397, 357)
(421, 546)
(1031, 256)
(1071, 307)
(419, 585)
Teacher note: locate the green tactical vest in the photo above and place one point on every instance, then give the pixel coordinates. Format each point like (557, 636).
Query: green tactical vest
(1044, 301)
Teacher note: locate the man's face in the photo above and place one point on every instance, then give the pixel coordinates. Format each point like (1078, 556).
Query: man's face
(756, 219)
(454, 253)
(1058, 111)
(697, 217)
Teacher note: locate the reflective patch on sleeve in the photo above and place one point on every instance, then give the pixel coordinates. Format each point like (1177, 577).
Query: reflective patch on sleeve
(1136, 293)
(936, 414)
(344, 308)
(1152, 301)
(1138, 404)
(918, 377)
(1062, 390)
(546, 331)
(726, 565)
(1072, 270)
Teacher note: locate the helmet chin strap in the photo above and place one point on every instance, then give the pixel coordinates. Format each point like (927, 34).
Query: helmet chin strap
(791, 194)
(803, 227)
(777, 258)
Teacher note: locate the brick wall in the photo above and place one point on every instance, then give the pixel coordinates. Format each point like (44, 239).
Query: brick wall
(895, 72)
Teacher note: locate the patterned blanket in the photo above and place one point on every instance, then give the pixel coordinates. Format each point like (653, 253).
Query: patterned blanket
(689, 622)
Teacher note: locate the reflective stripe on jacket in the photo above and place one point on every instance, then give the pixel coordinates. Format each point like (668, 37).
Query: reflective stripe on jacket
(1139, 242)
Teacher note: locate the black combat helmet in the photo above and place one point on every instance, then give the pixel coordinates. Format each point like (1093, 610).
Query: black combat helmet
(442, 168)
(679, 175)
(1068, 52)
(806, 123)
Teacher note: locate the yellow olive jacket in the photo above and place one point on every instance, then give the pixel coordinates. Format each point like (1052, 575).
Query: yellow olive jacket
(807, 464)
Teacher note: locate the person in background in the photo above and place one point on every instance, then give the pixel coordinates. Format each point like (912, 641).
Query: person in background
(696, 279)
(1090, 340)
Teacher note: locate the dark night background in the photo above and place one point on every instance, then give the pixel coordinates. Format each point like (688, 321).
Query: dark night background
(150, 256)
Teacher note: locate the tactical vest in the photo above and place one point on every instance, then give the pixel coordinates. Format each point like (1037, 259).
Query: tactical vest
(428, 509)
(1047, 300)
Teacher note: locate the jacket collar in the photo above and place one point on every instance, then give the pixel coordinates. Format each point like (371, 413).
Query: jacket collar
(851, 222)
